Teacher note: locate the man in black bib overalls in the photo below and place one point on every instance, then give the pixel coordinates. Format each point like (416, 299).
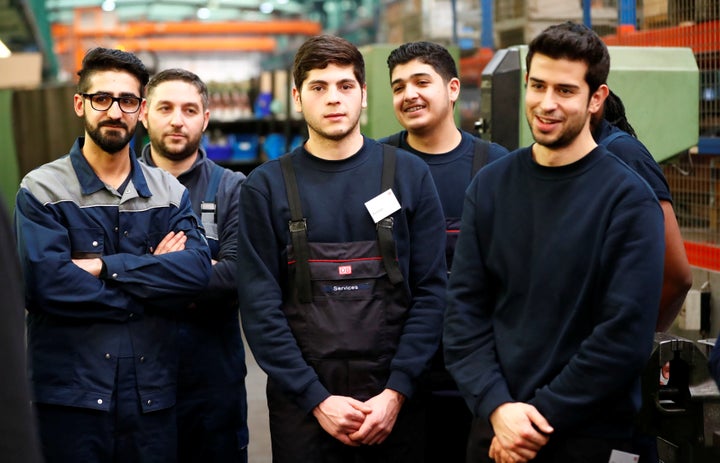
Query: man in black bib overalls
(341, 274)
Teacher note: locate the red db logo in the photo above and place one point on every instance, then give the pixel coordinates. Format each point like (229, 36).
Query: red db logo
(345, 270)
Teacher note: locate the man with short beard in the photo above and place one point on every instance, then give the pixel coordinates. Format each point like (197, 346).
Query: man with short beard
(557, 275)
(105, 245)
(211, 402)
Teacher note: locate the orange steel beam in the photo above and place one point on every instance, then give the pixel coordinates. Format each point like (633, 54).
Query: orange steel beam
(143, 29)
(179, 44)
(701, 37)
(198, 44)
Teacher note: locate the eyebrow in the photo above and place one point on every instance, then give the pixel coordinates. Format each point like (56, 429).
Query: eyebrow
(182, 103)
(324, 82)
(567, 86)
(122, 94)
(412, 76)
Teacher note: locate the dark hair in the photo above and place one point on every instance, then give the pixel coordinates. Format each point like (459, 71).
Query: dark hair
(183, 75)
(320, 51)
(614, 113)
(574, 42)
(429, 53)
(106, 59)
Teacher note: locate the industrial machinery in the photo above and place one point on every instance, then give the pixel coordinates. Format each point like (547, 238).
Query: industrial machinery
(658, 85)
(680, 402)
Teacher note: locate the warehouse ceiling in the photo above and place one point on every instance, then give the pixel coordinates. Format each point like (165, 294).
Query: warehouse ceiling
(18, 30)
(180, 10)
(29, 25)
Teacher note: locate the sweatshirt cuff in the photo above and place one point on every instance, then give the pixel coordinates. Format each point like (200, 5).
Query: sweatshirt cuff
(402, 383)
(313, 395)
(497, 395)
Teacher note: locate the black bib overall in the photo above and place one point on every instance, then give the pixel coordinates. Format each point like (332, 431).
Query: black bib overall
(346, 307)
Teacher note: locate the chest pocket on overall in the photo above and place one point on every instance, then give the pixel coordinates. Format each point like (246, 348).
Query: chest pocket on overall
(208, 210)
(348, 303)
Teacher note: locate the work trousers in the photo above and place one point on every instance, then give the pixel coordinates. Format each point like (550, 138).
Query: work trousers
(122, 435)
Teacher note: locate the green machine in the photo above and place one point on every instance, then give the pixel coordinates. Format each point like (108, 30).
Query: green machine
(659, 87)
(378, 119)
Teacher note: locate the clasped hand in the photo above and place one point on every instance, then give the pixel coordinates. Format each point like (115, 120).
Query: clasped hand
(356, 423)
(520, 432)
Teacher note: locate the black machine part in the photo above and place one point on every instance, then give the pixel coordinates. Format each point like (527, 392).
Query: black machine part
(680, 402)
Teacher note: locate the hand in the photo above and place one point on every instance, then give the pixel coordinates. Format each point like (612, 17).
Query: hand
(500, 455)
(520, 432)
(92, 266)
(381, 420)
(340, 416)
(170, 243)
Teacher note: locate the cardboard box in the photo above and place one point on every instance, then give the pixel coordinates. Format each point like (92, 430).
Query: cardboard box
(21, 70)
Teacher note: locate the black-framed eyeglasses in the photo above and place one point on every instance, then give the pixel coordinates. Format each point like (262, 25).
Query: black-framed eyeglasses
(103, 102)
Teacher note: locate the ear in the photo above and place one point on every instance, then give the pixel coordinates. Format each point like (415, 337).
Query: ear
(142, 112)
(206, 116)
(364, 96)
(79, 105)
(454, 89)
(297, 102)
(598, 99)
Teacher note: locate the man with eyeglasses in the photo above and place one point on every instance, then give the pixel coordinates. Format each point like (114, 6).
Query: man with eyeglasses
(105, 245)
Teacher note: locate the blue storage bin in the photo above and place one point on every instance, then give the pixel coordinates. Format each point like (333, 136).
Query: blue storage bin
(216, 151)
(244, 146)
(274, 145)
(296, 142)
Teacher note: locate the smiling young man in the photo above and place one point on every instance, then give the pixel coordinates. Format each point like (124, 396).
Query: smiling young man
(211, 401)
(557, 274)
(425, 87)
(341, 276)
(105, 244)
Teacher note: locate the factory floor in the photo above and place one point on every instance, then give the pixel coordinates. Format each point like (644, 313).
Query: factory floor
(259, 448)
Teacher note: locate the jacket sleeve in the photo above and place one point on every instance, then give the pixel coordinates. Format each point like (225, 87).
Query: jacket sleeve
(714, 361)
(165, 279)
(261, 249)
(223, 273)
(53, 283)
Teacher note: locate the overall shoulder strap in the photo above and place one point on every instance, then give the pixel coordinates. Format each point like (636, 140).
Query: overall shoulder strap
(394, 140)
(386, 242)
(480, 156)
(298, 231)
(616, 134)
(208, 206)
(213, 184)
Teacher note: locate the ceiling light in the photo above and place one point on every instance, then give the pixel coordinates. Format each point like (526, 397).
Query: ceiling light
(203, 13)
(4, 51)
(266, 7)
(108, 5)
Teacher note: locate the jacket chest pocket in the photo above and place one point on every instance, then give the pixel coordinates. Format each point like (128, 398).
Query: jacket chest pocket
(86, 243)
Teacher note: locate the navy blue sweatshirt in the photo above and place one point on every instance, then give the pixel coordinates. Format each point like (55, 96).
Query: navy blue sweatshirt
(552, 298)
(452, 171)
(333, 194)
(632, 151)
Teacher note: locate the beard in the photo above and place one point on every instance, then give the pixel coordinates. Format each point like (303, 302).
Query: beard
(565, 138)
(113, 140)
(175, 152)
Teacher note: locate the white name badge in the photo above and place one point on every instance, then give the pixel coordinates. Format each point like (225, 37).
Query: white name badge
(616, 456)
(382, 205)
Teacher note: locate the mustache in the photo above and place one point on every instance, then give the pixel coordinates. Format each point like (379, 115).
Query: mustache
(113, 124)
